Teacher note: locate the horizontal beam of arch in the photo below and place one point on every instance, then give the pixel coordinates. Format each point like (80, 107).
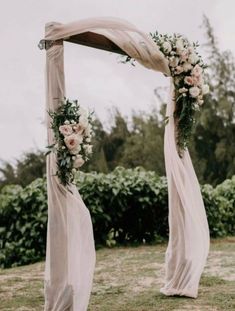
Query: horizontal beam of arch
(97, 41)
(89, 39)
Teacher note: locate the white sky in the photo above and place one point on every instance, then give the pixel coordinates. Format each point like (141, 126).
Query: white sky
(93, 77)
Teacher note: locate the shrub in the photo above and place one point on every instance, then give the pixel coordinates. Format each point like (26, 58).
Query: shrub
(127, 206)
(225, 200)
(23, 219)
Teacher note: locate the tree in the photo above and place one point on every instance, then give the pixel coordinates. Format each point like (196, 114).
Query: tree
(212, 144)
(144, 145)
(98, 161)
(32, 165)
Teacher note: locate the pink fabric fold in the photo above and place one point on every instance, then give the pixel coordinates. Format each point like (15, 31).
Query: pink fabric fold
(70, 254)
(189, 240)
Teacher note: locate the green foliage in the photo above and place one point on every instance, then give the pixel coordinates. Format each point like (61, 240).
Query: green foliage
(186, 105)
(212, 147)
(126, 206)
(225, 200)
(220, 207)
(23, 219)
(69, 112)
(140, 144)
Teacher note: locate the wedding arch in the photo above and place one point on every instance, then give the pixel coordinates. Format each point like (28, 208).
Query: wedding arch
(70, 251)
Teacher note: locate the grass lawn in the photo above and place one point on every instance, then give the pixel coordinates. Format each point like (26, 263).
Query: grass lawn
(129, 279)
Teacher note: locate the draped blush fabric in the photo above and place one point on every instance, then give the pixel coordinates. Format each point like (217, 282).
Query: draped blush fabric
(70, 254)
(134, 42)
(189, 239)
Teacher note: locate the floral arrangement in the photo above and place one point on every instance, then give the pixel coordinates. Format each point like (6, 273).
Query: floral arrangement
(187, 71)
(72, 127)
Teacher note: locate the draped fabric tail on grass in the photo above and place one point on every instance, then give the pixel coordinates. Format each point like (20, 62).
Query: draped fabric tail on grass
(70, 253)
(189, 240)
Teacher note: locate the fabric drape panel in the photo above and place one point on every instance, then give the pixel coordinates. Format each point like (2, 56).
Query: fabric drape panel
(188, 245)
(70, 256)
(134, 42)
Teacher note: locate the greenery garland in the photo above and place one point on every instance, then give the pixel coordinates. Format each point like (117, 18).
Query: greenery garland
(187, 71)
(72, 128)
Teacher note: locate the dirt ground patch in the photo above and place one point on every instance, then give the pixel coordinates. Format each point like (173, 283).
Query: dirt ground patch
(129, 279)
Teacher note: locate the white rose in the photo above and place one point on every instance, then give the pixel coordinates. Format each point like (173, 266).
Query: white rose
(205, 89)
(179, 44)
(200, 102)
(83, 112)
(88, 148)
(66, 122)
(76, 150)
(78, 161)
(183, 90)
(193, 58)
(167, 47)
(83, 121)
(179, 70)
(73, 141)
(191, 49)
(187, 67)
(88, 130)
(174, 61)
(194, 91)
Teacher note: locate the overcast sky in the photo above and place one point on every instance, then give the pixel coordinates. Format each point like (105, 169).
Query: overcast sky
(93, 77)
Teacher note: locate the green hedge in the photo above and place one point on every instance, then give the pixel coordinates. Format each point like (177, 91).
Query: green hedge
(127, 206)
(23, 220)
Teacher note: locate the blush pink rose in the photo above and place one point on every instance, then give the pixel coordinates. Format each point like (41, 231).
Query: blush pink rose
(73, 141)
(78, 129)
(197, 80)
(188, 80)
(66, 130)
(184, 55)
(197, 70)
(78, 162)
